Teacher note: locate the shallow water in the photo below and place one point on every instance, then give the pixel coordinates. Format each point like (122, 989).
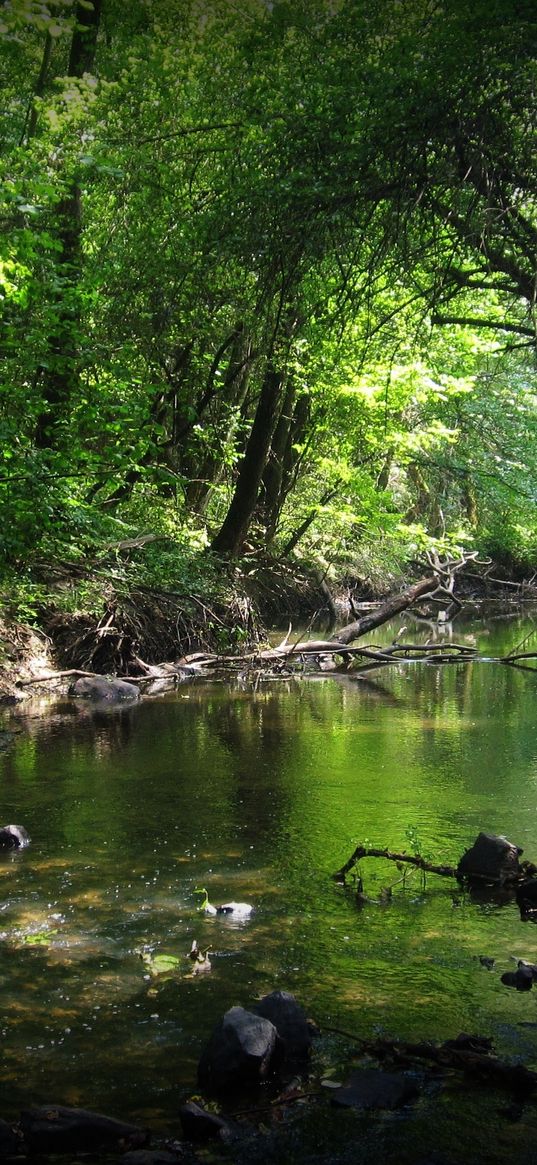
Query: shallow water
(258, 792)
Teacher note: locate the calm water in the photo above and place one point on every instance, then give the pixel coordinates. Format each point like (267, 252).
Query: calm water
(259, 793)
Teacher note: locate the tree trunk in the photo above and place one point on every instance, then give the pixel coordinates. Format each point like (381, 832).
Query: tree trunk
(391, 607)
(60, 376)
(84, 40)
(281, 470)
(308, 521)
(273, 473)
(234, 390)
(230, 538)
(30, 122)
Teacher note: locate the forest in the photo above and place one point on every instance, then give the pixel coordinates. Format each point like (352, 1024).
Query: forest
(268, 333)
(268, 281)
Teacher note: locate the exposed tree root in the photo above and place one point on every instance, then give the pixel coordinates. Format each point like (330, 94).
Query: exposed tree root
(136, 631)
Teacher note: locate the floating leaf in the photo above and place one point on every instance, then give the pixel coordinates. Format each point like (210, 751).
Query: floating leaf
(40, 939)
(161, 964)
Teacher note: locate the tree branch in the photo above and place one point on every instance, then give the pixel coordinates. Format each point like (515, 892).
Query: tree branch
(476, 322)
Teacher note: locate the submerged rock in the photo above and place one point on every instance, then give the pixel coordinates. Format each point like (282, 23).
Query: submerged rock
(240, 1051)
(491, 857)
(372, 1088)
(100, 688)
(521, 979)
(57, 1129)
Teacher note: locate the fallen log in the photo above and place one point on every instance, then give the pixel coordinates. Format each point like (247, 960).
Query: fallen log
(373, 657)
(58, 675)
(393, 606)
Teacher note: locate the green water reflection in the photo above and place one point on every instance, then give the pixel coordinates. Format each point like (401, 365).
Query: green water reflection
(259, 793)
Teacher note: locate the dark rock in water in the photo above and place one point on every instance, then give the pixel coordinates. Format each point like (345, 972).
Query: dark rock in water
(198, 1124)
(522, 979)
(372, 1088)
(11, 1143)
(99, 688)
(526, 895)
(13, 837)
(240, 1051)
(290, 1021)
(55, 1129)
(490, 857)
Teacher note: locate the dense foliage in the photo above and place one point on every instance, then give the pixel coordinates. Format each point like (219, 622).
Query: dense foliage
(268, 280)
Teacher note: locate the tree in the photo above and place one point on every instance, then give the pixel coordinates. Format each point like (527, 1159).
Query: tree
(269, 274)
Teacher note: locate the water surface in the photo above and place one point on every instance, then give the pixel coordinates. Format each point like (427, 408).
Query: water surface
(258, 791)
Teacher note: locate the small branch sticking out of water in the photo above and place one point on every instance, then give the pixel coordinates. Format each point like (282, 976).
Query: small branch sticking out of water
(363, 851)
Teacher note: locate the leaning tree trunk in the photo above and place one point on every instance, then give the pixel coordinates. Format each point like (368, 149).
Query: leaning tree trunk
(393, 606)
(282, 466)
(230, 538)
(233, 393)
(271, 483)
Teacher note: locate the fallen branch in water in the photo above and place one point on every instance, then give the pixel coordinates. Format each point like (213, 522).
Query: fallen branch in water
(58, 675)
(299, 653)
(363, 851)
(492, 859)
(466, 1053)
(469, 1054)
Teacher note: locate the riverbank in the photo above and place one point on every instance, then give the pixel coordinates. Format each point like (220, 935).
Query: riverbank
(101, 617)
(71, 617)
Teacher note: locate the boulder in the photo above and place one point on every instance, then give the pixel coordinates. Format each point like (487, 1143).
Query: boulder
(56, 1129)
(521, 979)
(372, 1088)
(99, 688)
(198, 1124)
(290, 1021)
(240, 1051)
(13, 837)
(490, 857)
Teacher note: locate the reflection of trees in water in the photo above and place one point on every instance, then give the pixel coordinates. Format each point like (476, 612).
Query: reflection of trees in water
(75, 722)
(254, 730)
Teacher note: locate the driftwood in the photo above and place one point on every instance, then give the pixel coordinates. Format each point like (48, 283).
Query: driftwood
(437, 586)
(491, 860)
(288, 654)
(392, 606)
(363, 851)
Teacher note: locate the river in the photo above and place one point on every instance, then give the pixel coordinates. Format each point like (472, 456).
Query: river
(259, 792)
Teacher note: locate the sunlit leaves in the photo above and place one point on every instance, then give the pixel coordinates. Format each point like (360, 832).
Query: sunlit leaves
(239, 168)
